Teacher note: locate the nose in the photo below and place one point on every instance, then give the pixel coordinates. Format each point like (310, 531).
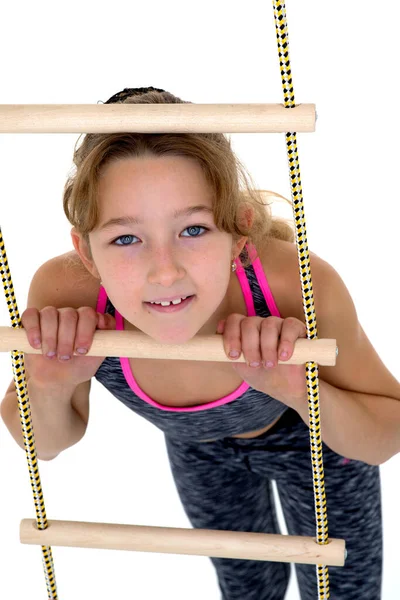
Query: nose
(165, 269)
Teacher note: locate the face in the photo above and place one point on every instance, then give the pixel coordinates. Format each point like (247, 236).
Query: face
(144, 252)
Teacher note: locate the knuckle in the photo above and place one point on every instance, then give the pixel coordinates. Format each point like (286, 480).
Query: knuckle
(232, 325)
(246, 324)
(269, 323)
(233, 319)
(87, 320)
(49, 310)
(48, 318)
(292, 321)
(68, 313)
(87, 312)
(30, 313)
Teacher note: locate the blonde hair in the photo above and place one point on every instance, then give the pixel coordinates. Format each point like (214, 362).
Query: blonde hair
(231, 184)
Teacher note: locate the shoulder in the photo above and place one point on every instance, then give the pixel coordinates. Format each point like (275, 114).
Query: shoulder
(358, 366)
(280, 263)
(63, 281)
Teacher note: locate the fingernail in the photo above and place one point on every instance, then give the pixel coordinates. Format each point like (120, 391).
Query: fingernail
(233, 353)
(66, 357)
(254, 364)
(269, 364)
(284, 354)
(37, 343)
(51, 354)
(81, 350)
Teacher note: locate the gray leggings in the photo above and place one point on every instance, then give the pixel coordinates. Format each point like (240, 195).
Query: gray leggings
(226, 485)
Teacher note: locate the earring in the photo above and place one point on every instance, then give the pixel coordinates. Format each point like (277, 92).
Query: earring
(233, 266)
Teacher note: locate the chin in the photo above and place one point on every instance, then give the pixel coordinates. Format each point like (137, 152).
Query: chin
(172, 337)
(173, 334)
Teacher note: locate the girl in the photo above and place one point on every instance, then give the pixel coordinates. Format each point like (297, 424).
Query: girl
(168, 243)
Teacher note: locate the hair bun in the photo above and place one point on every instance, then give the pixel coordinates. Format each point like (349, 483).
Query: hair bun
(127, 92)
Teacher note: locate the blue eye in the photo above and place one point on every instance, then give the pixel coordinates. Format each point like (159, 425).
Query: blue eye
(124, 237)
(195, 227)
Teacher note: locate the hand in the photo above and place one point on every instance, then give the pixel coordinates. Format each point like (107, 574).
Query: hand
(62, 331)
(263, 340)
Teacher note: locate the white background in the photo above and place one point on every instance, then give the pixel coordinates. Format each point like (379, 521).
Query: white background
(344, 59)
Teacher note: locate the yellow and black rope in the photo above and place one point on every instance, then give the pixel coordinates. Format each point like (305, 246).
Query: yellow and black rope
(307, 294)
(18, 367)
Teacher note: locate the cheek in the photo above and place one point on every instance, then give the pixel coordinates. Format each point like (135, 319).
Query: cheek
(211, 275)
(123, 272)
(214, 286)
(123, 285)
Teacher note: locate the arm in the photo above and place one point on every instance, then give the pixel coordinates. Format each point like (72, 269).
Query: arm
(56, 424)
(59, 413)
(359, 397)
(358, 426)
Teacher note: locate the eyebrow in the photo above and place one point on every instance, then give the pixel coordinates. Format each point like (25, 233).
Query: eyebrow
(130, 220)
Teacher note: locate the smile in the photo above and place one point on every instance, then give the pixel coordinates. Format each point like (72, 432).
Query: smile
(179, 306)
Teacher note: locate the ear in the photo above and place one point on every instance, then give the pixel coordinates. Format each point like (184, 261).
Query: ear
(83, 249)
(245, 221)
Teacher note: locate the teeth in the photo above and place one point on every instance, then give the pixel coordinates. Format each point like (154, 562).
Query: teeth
(177, 301)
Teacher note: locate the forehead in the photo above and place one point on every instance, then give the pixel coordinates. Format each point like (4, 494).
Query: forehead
(148, 187)
(171, 174)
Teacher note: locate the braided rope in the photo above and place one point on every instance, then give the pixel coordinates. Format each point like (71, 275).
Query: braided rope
(308, 298)
(18, 367)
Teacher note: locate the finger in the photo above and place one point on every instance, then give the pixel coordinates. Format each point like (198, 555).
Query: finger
(292, 329)
(232, 336)
(250, 334)
(105, 321)
(269, 339)
(49, 327)
(109, 321)
(31, 323)
(67, 322)
(221, 326)
(87, 322)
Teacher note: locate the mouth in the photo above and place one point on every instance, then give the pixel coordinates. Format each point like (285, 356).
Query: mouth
(172, 307)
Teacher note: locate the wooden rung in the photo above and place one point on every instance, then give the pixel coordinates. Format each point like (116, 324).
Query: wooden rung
(200, 542)
(156, 118)
(134, 344)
